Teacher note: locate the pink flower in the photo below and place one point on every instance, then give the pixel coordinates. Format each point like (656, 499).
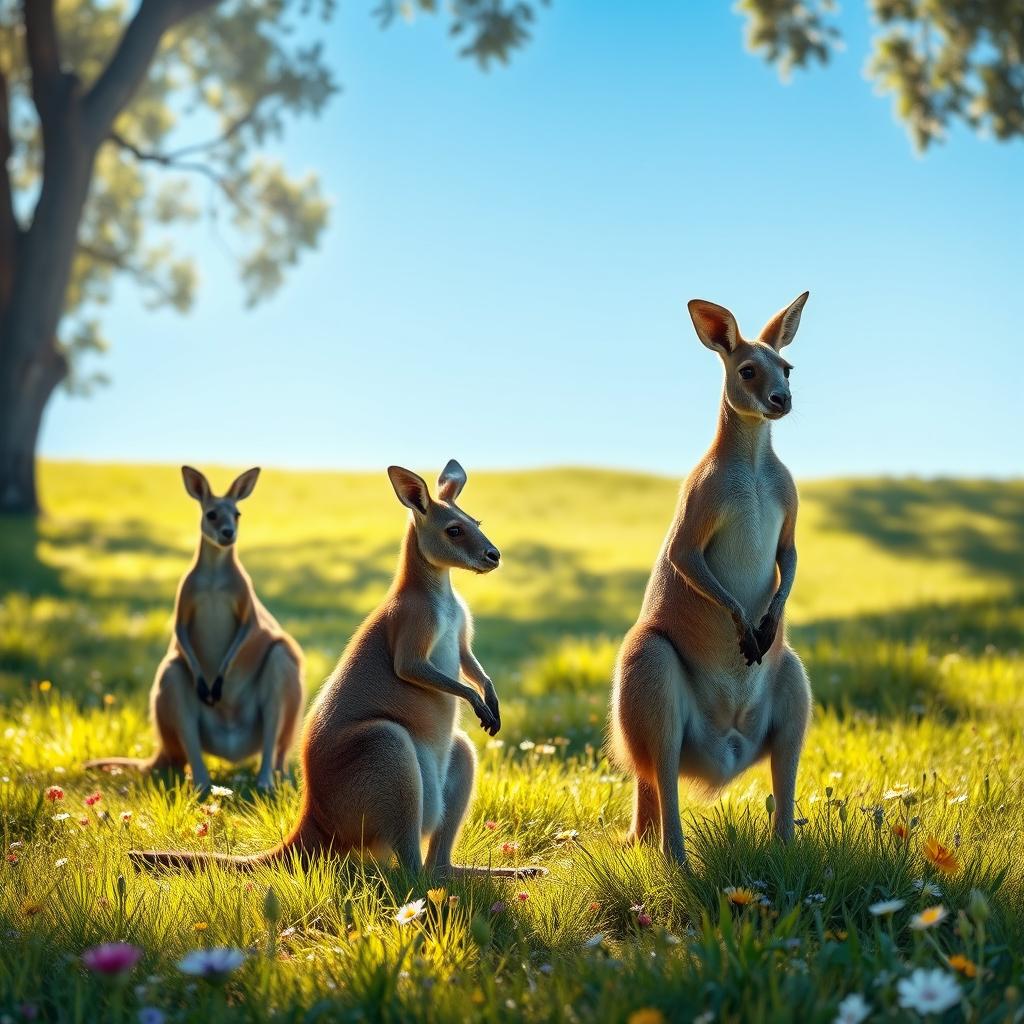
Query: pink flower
(491, 825)
(509, 849)
(644, 920)
(522, 896)
(54, 793)
(112, 958)
(498, 907)
(93, 798)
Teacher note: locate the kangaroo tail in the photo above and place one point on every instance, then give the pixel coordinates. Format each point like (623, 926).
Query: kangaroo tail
(188, 860)
(137, 764)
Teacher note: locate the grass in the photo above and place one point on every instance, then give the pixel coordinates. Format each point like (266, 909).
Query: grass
(907, 612)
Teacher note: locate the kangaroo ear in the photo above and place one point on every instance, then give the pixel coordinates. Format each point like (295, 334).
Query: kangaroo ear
(195, 483)
(243, 485)
(410, 488)
(781, 329)
(715, 325)
(451, 481)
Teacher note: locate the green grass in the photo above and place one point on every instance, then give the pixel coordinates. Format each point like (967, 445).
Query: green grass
(907, 612)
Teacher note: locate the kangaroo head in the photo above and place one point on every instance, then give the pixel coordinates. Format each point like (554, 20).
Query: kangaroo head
(446, 536)
(219, 523)
(756, 376)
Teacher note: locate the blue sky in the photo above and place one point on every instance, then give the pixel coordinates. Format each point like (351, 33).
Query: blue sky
(505, 275)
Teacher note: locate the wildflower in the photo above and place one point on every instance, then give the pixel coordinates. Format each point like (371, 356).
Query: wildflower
(83, 821)
(927, 889)
(30, 908)
(151, 1015)
(527, 745)
(522, 896)
(126, 817)
(45, 686)
(567, 835)
(644, 919)
(112, 958)
(216, 962)
(202, 829)
(647, 1015)
(929, 918)
(436, 896)
(815, 899)
(490, 825)
(740, 896)
(221, 791)
(200, 926)
(453, 902)
(898, 792)
(852, 1010)
(54, 793)
(968, 968)
(594, 907)
(93, 798)
(498, 907)
(409, 912)
(12, 858)
(899, 830)
(940, 857)
(109, 699)
(212, 809)
(509, 849)
(884, 908)
(60, 862)
(925, 991)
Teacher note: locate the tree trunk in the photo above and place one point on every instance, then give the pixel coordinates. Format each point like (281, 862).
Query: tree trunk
(26, 390)
(31, 363)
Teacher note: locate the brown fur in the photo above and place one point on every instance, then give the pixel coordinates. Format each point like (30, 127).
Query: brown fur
(705, 684)
(231, 681)
(385, 766)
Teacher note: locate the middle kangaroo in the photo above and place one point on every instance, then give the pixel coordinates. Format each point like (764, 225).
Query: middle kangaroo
(705, 683)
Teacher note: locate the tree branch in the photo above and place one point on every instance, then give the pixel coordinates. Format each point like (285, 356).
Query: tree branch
(131, 60)
(42, 49)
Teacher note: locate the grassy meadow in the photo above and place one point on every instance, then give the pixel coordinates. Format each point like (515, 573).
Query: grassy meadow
(907, 611)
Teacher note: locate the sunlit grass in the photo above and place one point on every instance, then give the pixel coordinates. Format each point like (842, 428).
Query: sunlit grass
(907, 613)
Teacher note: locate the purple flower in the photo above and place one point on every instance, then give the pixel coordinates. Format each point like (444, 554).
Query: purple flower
(112, 958)
(151, 1015)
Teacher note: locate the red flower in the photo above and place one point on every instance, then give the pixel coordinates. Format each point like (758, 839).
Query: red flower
(202, 828)
(509, 849)
(112, 958)
(522, 896)
(12, 858)
(54, 793)
(491, 825)
(644, 920)
(93, 798)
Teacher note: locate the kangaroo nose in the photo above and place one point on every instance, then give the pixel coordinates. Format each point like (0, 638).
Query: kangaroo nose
(779, 400)
(492, 555)
(227, 534)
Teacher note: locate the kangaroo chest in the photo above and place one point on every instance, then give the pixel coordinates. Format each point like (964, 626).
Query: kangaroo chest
(742, 551)
(213, 626)
(444, 654)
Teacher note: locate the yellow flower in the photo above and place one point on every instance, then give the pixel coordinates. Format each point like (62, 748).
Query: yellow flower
(30, 908)
(966, 967)
(647, 1015)
(929, 918)
(478, 996)
(200, 926)
(939, 856)
(739, 896)
(45, 686)
(436, 896)
(109, 699)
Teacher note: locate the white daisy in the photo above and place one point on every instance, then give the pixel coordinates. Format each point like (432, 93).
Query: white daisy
(211, 963)
(883, 908)
(221, 791)
(925, 991)
(410, 912)
(853, 1009)
(926, 888)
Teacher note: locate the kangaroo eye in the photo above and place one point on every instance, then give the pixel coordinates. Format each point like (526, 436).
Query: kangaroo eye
(454, 531)
(747, 372)
(785, 372)
(211, 515)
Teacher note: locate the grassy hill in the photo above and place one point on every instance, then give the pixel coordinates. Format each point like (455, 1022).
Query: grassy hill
(907, 612)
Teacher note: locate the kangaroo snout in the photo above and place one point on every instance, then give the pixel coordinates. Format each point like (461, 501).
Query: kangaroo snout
(780, 401)
(492, 555)
(227, 534)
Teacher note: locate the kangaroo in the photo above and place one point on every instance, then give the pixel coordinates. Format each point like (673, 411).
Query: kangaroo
(231, 681)
(384, 765)
(688, 699)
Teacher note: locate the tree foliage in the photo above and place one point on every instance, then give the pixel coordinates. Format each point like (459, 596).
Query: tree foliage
(943, 61)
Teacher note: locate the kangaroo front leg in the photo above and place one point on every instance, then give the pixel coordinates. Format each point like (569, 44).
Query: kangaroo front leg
(791, 713)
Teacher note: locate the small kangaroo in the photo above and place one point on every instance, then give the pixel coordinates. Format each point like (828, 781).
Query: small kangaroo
(384, 765)
(222, 633)
(700, 690)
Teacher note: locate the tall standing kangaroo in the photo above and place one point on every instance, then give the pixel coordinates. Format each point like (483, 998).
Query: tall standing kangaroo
(384, 765)
(231, 681)
(705, 683)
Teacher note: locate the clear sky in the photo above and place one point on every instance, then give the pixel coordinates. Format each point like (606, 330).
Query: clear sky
(505, 275)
